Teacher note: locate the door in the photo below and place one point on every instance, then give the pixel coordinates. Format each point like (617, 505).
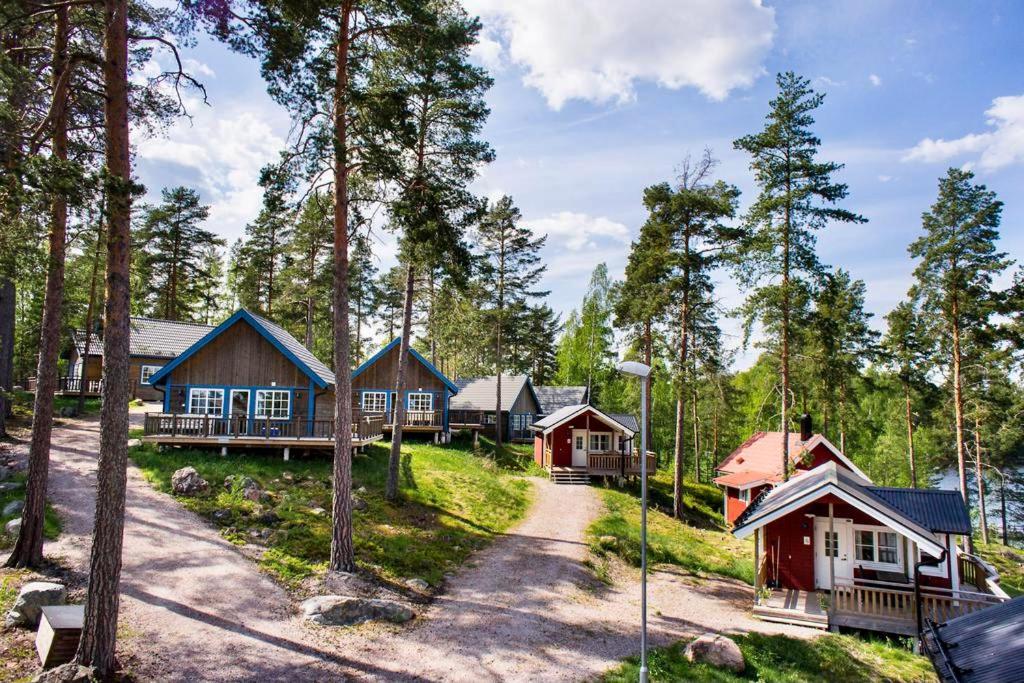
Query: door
(838, 545)
(579, 448)
(239, 409)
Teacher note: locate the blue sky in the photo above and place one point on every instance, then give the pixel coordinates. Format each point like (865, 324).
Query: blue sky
(594, 101)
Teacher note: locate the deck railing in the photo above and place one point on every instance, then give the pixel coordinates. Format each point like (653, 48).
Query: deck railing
(472, 418)
(68, 385)
(611, 462)
(897, 604)
(419, 418)
(188, 425)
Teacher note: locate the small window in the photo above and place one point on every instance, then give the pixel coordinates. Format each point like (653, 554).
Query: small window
(421, 402)
(865, 545)
(579, 443)
(831, 543)
(877, 547)
(374, 401)
(489, 419)
(147, 372)
(745, 495)
(600, 442)
(206, 401)
(273, 403)
(887, 549)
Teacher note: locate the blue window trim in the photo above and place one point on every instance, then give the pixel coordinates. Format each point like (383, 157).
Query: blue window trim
(227, 388)
(415, 354)
(440, 400)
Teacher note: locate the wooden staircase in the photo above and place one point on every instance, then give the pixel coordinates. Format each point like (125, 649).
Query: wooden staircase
(566, 475)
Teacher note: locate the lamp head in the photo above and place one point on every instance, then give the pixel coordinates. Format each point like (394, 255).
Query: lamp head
(632, 367)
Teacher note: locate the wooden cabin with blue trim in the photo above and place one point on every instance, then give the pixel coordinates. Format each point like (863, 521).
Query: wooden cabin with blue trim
(250, 383)
(426, 396)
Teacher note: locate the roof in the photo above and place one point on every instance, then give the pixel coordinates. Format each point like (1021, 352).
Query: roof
(150, 337)
(552, 398)
(846, 485)
(940, 511)
(565, 414)
(415, 354)
(478, 393)
(760, 453)
(284, 342)
(745, 480)
(986, 646)
(627, 421)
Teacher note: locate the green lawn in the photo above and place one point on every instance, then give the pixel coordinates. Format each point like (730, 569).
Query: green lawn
(699, 544)
(782, 659)
(21, 406)
(51, 521)
(453, 502)
(1010, 564)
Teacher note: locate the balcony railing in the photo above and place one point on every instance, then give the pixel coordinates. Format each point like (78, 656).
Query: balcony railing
(191, 426)
(418, 418)
(613, 463)
(67, 385)
(893, 603)
(470, 418)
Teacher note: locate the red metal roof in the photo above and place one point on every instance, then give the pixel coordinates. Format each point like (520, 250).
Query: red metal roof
(741, 480)
(761, 453)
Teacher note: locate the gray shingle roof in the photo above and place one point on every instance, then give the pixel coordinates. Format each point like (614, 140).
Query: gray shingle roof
(150, 337)
(986, 646)
(296, 348)
(941, 511)
(479, 393)
(552, 398)
(627, 421)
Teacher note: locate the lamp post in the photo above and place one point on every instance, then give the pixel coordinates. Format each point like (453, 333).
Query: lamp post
(644, 373)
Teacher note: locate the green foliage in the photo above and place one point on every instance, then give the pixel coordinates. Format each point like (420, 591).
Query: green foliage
(782, 659)
(51, 521)
(453, 503)
(1009, 562)
(586, 350)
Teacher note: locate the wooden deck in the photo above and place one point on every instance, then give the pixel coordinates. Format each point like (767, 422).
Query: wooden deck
(606, 464)
(69, 386)
(183, 429)
(792, 606)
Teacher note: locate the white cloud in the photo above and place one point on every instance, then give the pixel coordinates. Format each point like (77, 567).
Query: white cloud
(597, 50)
(875, 79)
(1001, 146)
(884, 178)
(579, 231)
(826, 81)
(487, 52)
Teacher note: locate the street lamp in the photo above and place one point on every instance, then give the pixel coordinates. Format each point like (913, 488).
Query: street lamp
(644, 373)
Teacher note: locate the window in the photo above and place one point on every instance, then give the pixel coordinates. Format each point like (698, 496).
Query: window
(831, 543)
(374, 401)
(745, 495)
(147, 372)
(206, 401)
(600, 441)
(521, 421)
(490, 418)
(421, 401)
(579, 442)
(876, 546)
(275, 403)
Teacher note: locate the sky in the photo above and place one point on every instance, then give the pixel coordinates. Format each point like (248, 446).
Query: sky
(593, 101)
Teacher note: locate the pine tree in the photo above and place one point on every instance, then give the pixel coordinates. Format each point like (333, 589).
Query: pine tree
(797, 198)
(907, 348)
(364, 295)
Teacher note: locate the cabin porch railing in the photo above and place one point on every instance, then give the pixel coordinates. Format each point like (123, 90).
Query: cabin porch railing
(470, 418)
(897, 604)
(68, 385)
(418, 418)
(189, 425)
(611, 463)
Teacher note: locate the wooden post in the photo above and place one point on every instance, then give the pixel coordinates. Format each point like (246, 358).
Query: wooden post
(831, 564)
(174, 425)
(757, 573)
(287, 453)
(223, 450)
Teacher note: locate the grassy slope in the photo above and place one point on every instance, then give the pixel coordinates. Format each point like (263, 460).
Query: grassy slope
(700, 545)
(782, 659)
(51, 522)
(453, 503)
(1010, 564)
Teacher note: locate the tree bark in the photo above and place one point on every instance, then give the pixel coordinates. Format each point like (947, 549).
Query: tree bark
(91, 309)
(648, 359)
(696, 433)
(958, 411)
(7, 310)
(342, 551)
(391, 490)
(910, 435)
(28, 550)
(99, 632)
(979, 475)
(784, 351)
(680, 448)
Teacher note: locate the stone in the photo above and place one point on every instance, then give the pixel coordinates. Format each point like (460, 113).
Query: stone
(133, 443)
(243, 481)
(13, 527)
(418, 585)
(343, 610)
(5, 472)
(221, 515)
(67, 673)
(268, 517)
(716, 650)
(31, 598)
(319, 512)
(10, 486)
(13, 508)
(607, 541)
(348, 583)
(358, 503)
(187, 482)
(68, 411)
(361, 489)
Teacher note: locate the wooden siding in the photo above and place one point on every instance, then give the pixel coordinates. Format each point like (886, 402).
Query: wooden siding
(381, 375)
(525, 403)
(561, 437)
(239, 356)
(734, 507)
(795, 560)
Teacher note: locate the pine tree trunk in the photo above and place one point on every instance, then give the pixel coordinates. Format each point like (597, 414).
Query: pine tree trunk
(91, 309)
(979, 475)
(680, 448)
(394, 461)
(842, 418)
(648, 358)
(958, 413)
(99, 632)
(910, 435)
(784, 354)
(498, 350)
(7, 310)
(696, 433)
(342, 551)
(28, 550)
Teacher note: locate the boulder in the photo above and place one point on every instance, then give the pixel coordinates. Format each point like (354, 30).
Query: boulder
(716, 650)
(33, 596)
(221, 515)
(342, 610)
(318, 511)
(187, 482)
(9, 486)
(358, 503)
(132, 443)
(13, 527)
(68, 411)
(268, 517)
(13, 508)
(67, 673)
(418, 585)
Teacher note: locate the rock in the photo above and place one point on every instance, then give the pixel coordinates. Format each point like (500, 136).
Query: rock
(68, 411)
(348, 583)
(187, 482)
(10, 486)
(265, 533)
(716, 650)
(67, 673)
(288, 476)
(243, 482)
(418, 585)
(5, 472)
(607, 541)
(13, 527)
(269, 517)
(361, 489)
(13, 508)
(342, 610)
(358, 503)
(34, 595)
(221, 515)
(132, 443)
(319, 512)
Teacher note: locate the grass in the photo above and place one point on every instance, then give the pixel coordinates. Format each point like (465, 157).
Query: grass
(700, 544)
(453, 503)
(18, 661)
(51, 520)
(1009, 562)
(21, 406)
(782, 659)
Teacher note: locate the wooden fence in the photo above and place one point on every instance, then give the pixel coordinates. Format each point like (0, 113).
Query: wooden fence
(188, 425)
(897, 604)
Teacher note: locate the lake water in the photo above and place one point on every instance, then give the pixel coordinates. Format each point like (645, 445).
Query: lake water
(1014, 497)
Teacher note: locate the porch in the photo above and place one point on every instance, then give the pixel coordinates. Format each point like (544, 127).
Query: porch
(517, 427)
(256, 432)
(601, 464)
(69, 385)
(415, 421)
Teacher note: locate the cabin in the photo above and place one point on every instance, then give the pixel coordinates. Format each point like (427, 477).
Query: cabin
(474, 406)
(249, 383)
(756, 465)
(554, 398)
(426, 396)
(578, 442)
(152, 344)
(833, 550)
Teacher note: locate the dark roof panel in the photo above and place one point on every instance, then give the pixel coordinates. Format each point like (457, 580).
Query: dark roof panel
(986, 646)
(150, 337)
(555, 398)
(478, 393)
(941, 511)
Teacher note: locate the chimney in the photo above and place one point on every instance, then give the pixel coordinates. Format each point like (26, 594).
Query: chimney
(806, 430)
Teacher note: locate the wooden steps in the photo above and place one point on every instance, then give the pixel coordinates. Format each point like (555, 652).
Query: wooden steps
(569, 476)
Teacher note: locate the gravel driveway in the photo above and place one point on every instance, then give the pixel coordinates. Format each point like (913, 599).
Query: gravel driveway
(526, 608)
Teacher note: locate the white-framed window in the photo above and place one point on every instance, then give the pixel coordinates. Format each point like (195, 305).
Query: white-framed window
(206, 401)
(490, 418)
(273, 403)
(419, 401)
(877, 546)
(600, 441)
(579, 442)
(831, 543)
(940, 570)
(745, 495)
(374, 401)
(148, 371)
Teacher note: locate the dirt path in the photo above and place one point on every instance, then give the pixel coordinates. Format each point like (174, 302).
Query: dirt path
(195, 608)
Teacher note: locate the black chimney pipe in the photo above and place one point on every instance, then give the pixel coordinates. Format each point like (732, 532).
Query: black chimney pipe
(806, 428)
